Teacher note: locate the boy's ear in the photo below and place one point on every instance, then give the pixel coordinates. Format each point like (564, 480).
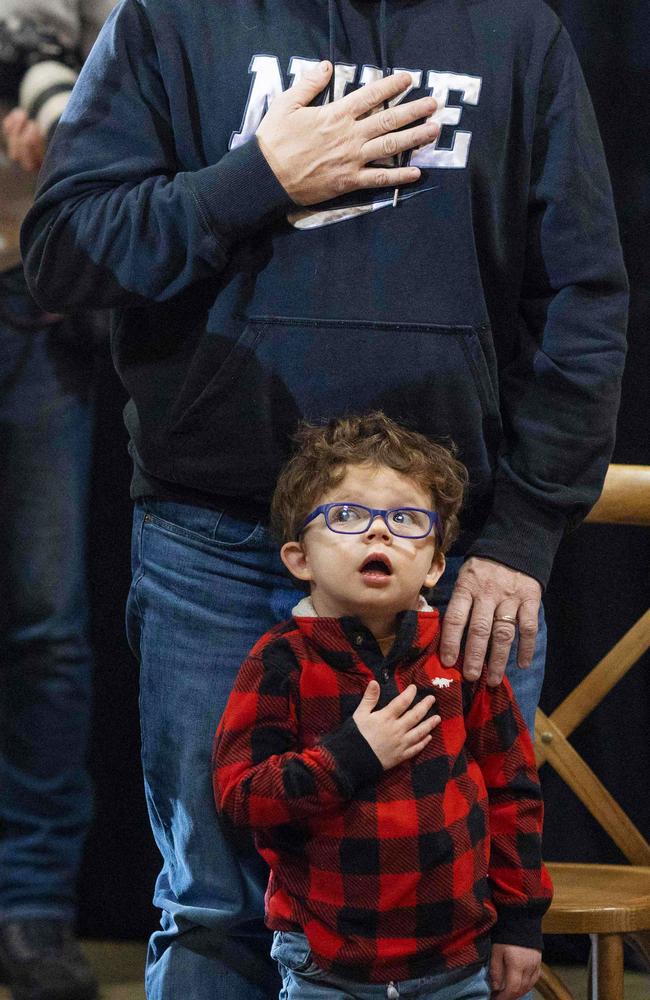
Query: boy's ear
(437, 569)
(294, 558)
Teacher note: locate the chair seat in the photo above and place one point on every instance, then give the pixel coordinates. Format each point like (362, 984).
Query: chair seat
(598, 899)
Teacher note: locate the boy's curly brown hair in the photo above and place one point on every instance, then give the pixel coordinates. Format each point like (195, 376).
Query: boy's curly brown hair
(323, 452)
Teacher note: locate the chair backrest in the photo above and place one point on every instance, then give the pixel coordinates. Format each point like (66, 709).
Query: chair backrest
(625, 500)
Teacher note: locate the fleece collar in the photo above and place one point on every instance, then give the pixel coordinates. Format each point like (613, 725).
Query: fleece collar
(344, 642)
(305, 608)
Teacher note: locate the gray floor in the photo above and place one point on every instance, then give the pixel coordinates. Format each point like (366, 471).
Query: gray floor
(119, 966)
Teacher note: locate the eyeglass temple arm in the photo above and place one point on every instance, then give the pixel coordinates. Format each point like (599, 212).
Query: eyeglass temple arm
(311, 517)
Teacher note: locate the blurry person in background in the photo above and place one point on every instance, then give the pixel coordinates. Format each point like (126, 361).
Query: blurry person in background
(45, 443)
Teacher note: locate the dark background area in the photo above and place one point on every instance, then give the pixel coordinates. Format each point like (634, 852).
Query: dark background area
(600, 584)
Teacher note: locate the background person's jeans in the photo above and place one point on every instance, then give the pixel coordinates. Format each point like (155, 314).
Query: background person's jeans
(45, 677)
(302, 979)
(205, 587)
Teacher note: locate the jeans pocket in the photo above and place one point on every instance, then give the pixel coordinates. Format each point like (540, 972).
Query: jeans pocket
(215, 528)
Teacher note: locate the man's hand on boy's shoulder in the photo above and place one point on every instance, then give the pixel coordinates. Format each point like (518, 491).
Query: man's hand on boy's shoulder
(513, 970)
(485, 594)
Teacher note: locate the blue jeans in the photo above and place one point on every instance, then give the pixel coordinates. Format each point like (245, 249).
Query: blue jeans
(302, 979)
(206, 586)
(45, 687)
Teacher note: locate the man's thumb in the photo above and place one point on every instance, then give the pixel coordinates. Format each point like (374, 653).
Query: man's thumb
(307, 87)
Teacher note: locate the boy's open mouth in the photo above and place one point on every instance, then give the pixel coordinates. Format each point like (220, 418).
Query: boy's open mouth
(376, 564)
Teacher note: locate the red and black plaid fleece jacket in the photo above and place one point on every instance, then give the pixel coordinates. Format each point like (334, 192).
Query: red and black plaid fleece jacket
(390, 874)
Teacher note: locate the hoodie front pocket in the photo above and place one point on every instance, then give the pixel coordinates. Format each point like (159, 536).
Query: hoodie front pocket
(435, 379)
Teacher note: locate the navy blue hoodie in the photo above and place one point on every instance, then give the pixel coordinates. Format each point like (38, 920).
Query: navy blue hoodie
(488, 307)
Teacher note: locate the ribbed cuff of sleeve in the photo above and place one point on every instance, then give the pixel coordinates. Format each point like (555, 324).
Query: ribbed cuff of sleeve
(520, 534)
(239, 194)
(356, 763)
(519, 926)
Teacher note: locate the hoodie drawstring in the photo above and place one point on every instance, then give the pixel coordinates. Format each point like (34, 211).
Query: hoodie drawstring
(382, 38)
(331, 14)
(383, 54)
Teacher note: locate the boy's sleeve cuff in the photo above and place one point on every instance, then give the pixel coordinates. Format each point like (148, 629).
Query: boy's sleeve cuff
(239, 194)
(518, 926)
(356, 763)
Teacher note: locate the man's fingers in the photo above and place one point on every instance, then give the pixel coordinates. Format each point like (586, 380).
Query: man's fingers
(371, 177)
(366, 99)
(478, 637)
(528, 628)
(398, 142)
(453, 625)
(310, 85)
(501, 639)
(391, 119)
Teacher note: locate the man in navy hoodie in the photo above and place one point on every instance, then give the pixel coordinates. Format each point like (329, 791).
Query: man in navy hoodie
(428, 229)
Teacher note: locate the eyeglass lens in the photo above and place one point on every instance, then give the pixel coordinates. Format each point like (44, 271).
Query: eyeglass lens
(356, 518)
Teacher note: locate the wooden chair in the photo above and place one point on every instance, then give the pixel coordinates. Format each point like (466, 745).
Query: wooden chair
(609, 902)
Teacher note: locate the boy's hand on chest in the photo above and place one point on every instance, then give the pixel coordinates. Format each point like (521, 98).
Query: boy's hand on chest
(399, 731)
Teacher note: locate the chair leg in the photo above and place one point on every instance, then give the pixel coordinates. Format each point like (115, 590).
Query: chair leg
(551, 986)
(640, 941)
(607, 962)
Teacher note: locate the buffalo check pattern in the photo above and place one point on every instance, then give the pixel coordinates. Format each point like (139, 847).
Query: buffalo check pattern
(390, 874)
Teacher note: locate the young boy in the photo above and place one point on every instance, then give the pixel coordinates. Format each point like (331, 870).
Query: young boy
(397, 805)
